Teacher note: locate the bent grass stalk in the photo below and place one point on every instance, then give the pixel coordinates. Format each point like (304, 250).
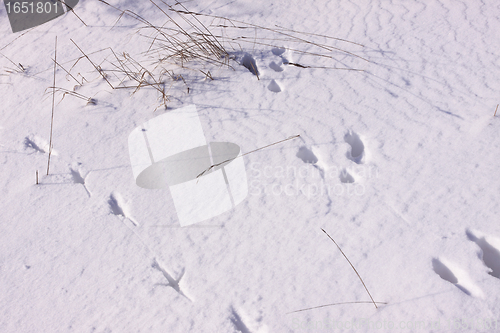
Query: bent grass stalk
(351, 266)
(356, 302)
(340, 303)
(253, 151)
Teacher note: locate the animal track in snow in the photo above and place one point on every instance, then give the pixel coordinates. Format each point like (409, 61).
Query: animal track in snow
(249, 62)
(275, 67)
(357, 147)
(79, 179)
(457, 276)
(171, 281)
(118, 207)
(443, 271)
(28, 143)
(274, 86)
(345, 177)
(307, 155)
(245, 323)
(38, 144)
(283, 53)
(238, 323)
(277, 51)
(490, 252)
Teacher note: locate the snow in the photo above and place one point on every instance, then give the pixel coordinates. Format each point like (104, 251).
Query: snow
(397, 160)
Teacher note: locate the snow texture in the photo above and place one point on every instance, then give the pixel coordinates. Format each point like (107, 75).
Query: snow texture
(397, 159)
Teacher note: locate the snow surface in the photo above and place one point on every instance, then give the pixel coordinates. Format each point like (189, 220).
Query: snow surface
(408, 148)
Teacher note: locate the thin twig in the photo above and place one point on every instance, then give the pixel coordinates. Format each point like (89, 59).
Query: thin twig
(72, 93)
(53, 104)
(253, 151)
(96, 68)
(311, 34)
(21, 35)
(69, 8)
(352, 267)
(21, 69)
(496, 111)
(208, 75)
(329, 48)
(71, 75)
(255, 70)
(322, 306)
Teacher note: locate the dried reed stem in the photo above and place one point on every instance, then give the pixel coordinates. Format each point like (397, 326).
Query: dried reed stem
(352, 267)
(53, 104)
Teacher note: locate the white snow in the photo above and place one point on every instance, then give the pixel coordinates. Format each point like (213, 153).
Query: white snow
(398, 161)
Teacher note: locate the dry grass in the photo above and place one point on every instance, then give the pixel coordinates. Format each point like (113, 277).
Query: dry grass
(352, 267)
(189, 43)
(250, 152)
(183, 47)
(53, 106)
(341, 303)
